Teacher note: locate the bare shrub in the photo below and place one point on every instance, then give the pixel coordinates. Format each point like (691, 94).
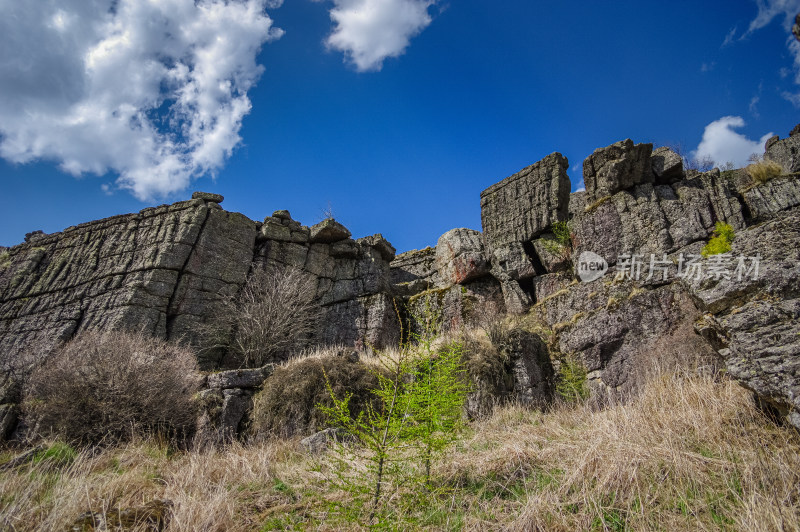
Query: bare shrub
(272, 316)
(112, 386)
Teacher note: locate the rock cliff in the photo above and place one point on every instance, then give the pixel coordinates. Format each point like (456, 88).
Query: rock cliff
(165, 270)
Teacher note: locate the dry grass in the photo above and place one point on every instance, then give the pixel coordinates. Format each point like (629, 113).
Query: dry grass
(763, 171)
(691, 453)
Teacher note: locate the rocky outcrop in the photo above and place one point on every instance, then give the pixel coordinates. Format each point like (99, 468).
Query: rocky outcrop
(154, 271)
(753, 316)
(617, 167)
(165, 270)
(785, 152)
(657, 219)
(514, 212)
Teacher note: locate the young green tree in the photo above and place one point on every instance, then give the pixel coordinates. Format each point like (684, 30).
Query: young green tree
(421, 395)
(436, 392)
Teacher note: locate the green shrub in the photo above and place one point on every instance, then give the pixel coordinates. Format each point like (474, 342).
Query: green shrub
(571, 380)
(721, 240)
(113, 386)
(562, 233)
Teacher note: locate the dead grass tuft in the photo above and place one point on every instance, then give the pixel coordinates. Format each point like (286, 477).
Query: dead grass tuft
(763, 171)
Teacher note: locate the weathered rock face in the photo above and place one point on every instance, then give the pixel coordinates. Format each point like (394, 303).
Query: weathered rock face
(415, 271)
(155, 271)
(353, 278)
(754, 321)
(785, 152)
(647, 219)
(165, 270)
(768, 199)
(617, 167)
(521, 207)
(513, 213)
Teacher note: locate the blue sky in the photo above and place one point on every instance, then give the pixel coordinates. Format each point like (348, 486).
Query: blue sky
(394, 114)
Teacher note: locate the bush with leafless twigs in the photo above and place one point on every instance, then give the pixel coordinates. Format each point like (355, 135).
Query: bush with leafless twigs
(272, 316)
(112, 386)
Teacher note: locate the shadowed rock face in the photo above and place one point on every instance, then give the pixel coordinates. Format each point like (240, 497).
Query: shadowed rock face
(755, 323)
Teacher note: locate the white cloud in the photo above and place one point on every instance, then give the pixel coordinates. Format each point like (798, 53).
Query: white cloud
(369, 31)
(722, 144)
(152, 90)
(730, 37)
(768, 10)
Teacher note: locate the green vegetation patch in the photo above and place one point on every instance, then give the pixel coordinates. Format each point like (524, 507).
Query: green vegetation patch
(720, 241)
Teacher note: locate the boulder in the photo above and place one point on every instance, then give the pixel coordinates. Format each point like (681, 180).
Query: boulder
(208, 196)
(33, 236)
(524, 205)
(513, 262)
(328, 231)
(460, 256)
(319, 441)
(552, 254)
(272, 229)
(667, 166)
(380, 244)
(240, 378)
(282, 214)
(617, 167)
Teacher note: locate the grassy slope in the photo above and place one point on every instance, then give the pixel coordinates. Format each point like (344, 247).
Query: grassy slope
(691, 453)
